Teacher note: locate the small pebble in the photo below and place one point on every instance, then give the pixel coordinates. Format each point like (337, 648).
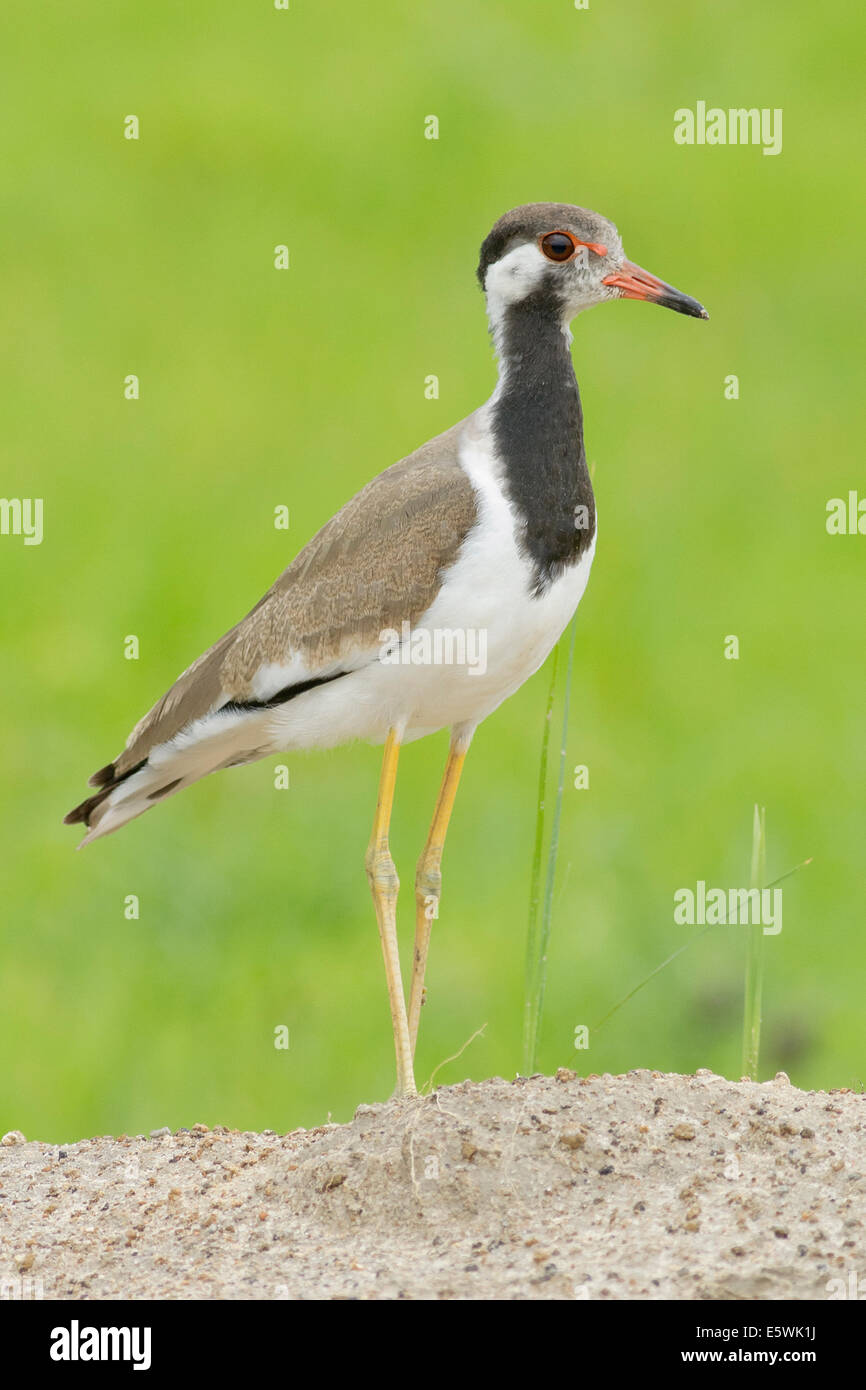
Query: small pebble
(683, 1132)
(14, 1136)
(158, 1133)
(572, 1139)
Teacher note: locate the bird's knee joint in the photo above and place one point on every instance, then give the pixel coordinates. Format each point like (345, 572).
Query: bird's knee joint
(428, 882)
(381, 869)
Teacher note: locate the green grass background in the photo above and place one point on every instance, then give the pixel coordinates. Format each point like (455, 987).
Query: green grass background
(260, 388)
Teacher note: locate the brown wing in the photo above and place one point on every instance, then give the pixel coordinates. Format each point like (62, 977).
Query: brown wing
(375, 564)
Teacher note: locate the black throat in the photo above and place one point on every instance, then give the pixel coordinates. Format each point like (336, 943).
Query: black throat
(538, 433)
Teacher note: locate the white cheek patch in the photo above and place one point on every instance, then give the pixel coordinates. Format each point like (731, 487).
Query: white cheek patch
(514, 277)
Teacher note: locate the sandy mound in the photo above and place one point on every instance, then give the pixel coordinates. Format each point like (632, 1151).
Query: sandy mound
(639, 1186)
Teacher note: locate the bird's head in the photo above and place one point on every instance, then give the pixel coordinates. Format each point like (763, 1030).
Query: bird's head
(564, 259)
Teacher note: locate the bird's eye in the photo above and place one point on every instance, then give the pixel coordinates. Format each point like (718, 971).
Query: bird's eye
(558, 246)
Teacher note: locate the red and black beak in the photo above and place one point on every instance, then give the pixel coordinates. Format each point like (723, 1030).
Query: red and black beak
(635, 283)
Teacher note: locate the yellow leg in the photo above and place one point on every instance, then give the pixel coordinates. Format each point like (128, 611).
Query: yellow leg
(428, 879)
(384, 883)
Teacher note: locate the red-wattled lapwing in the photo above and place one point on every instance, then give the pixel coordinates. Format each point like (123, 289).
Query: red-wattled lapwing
(485, 534)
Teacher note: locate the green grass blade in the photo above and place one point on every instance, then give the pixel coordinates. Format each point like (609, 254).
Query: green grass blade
(646, 979)
(531, 998)
(755, 954)
(553, 850)
(540, 919)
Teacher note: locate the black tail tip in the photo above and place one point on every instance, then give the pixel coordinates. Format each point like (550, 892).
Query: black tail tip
(102, 777)
(81, 814)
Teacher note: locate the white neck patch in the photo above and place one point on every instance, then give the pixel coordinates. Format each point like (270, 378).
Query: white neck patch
(511, 280)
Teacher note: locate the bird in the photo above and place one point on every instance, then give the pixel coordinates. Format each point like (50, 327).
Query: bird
(429, 598)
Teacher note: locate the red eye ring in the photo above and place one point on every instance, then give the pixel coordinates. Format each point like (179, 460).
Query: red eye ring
(566, 246)
(558, 246)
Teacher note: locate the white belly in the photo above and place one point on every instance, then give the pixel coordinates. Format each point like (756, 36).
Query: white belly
(485, 602)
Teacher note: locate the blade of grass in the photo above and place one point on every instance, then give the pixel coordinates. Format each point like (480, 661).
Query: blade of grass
(755, 953)
(531, 1002)
(553, 850)
(538, 937)
(479, 1033)
(646, 979)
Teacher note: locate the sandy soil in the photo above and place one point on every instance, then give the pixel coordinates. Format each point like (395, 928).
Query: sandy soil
(614, 1187)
